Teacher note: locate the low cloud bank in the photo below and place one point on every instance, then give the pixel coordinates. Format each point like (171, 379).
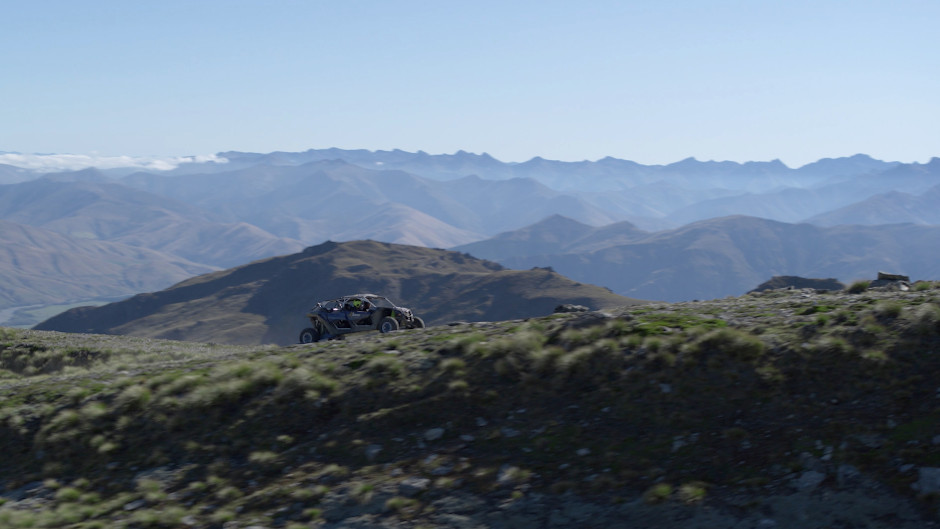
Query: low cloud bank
(73, 162)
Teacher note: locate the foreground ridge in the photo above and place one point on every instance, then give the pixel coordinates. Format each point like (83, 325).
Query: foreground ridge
(784, 408)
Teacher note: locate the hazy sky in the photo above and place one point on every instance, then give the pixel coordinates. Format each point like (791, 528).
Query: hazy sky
(653, 81)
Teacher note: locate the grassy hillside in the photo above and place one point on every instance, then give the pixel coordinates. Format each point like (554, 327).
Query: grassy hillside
(784, 408)
(265, 301)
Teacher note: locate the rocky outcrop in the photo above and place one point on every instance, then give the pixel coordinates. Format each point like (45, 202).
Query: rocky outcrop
(891, 282)
(797, 282)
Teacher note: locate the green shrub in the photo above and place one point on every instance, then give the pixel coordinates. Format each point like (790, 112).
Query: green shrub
(858, 287)
(398, 503)
(133, 398)
(925, 320)
(593, 363)
(458, 386)
(68, 494)
(519, 344)
(363, 492)
(228, 493)
(732, 343)
(453, 365)
(691, 493)
(832, 346)
(658, 493)
(389, 366)
(545, 361)
(887, 310)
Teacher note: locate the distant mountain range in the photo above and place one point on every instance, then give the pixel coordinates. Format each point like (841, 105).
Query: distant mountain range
(214, 215)
(265, 301)
(112, 212)
(713, 258)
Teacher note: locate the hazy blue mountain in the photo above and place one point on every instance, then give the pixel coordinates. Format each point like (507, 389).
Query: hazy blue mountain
(912, 178)
(553, 235)
(651, 196)
(39, 266)
(595, 192)
(886, 208)
(10, 174)
(604, 174)
(336, 194)
(859, 164)
(795, 204)
(725, 256)
(85, 208)
(91, 175)
(786, 205)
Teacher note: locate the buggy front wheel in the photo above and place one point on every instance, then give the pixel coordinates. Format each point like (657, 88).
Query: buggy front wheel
(388, 324)
(309, 335)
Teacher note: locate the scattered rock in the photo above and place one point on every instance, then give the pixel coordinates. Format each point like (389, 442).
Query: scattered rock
(809, 480)
(797, 282)
(411, 487)
(884, 276)
(568, 307)
(509, 432)
(891, 282)
(134, 505)
(928, 481)
(442, 470)
(848, 476)
(587, 319)
(434, 434)
(372, 451)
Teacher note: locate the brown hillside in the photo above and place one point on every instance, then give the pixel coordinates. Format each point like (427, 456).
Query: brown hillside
(39, 266)
(265, 301)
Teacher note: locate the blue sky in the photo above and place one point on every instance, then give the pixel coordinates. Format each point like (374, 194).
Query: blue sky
(652, 81)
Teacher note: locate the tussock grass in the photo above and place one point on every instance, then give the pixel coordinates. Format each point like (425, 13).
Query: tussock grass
(857, 287)
(634, 401)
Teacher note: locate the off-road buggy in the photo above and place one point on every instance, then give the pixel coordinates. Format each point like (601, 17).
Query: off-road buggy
(356, 313)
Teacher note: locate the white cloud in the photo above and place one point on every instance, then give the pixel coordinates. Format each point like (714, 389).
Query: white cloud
(74, 162)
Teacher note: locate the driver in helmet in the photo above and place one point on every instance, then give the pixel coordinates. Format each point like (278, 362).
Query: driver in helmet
(357, 309)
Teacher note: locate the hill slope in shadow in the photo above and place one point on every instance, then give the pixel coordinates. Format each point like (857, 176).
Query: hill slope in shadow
(265, 301)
